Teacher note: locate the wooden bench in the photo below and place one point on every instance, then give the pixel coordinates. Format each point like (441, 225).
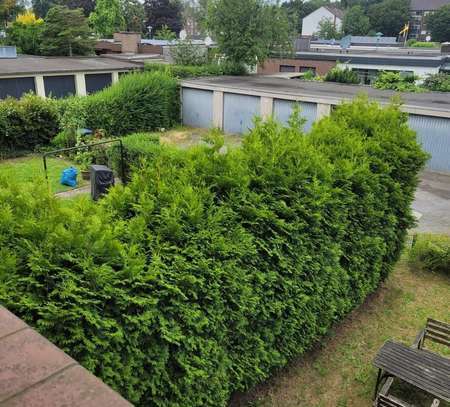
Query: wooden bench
(435, 331)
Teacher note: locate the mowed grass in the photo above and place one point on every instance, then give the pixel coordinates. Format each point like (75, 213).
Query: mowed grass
(339, 372)
(31, 169)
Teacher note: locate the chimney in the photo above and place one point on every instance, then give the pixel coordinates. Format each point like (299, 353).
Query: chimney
(130, 41)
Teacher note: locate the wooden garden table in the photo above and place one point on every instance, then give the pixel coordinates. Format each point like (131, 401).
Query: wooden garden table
(421, 368)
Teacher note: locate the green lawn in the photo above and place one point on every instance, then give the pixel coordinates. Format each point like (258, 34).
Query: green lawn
(339, 373)
(30, 168)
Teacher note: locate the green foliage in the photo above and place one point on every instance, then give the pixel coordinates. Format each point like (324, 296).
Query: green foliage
(431, 253)
(438, 23)
(355, 21)
(27, 123)
(26, 37)
(66, 32)
(134, 14)
(245, 30)
(183, 71)
(389, 16)
(341, 75)
(212, 268)
(137, 149)
(162, 13)
(107, 18)
(398, 82)
(138, 102)
(297, 10)
(187, 53)
(165, 33)
(421, 44)
(439, 82)
(327, 30)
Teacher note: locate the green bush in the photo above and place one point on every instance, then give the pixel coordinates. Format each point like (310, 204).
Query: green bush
(398, 82)
(421, 44)
(439, 82)
(27, 123)
(192, 71)
(431, 252)
(138, 102)
(137, 148)
(212, 268)
(340, 75)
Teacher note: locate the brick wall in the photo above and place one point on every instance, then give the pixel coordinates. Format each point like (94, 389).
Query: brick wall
(272, 66)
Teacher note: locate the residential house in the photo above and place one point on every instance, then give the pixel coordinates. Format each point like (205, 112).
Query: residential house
(311, 22)
(418, 11)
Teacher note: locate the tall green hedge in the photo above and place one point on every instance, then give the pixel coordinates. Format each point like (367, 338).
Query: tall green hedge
(212, 268)
(27, 123)
(138, 102)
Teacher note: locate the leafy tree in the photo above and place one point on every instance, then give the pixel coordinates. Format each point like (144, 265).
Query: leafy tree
(134, 15)
(389, 16)
(66, 32)
(165, 33)
(328, 30)
(107, 18)
(25, 33)
(41, 7)
(87, 6)
(355, 21)
(439, 24)
(8, 11)
(164, 12)
(249, 35)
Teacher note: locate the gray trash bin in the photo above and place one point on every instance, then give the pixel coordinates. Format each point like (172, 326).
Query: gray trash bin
(102, 178)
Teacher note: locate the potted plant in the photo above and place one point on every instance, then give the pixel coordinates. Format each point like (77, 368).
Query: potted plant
(84, 160)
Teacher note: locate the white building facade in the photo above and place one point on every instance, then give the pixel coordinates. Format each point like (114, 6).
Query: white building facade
(310, 24)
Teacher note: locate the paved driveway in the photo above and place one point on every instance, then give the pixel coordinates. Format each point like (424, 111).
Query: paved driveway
(432, 203)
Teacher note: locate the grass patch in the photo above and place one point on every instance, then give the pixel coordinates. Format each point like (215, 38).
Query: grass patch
(340, 372)
(31, 169)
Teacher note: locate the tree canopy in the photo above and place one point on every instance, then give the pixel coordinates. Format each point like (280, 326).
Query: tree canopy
(328, 30)
(66, 32)
(25, 33)
(107, 18)
(389, 16)
(249, 35)
(134, 15)
(355, 21)
(161, 13)
(439, 24)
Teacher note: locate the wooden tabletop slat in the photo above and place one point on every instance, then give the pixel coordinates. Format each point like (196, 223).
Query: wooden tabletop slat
(425, 370)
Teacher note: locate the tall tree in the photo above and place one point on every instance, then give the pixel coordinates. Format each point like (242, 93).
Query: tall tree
(439, 24)
(134, 14)
(164, 12)
(66, 32)
(355, 22)
(107, 18)
(41, 7)
(9, 10)
(87, 6)
(328, 30)
(389, 16)
(245, 29)
(25, 33)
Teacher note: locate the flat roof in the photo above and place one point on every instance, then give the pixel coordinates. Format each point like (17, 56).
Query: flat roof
(321, 92)
(27, 64)
(396, 57)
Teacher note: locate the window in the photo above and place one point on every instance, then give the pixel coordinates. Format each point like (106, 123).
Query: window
(308, 68)
(287, 68)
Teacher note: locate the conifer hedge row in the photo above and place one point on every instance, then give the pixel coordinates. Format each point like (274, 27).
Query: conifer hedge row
(212, 268)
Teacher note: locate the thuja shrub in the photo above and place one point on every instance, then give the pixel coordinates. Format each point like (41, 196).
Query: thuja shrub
(213, 267)
(431, 253)
(138, 102)
(27, 123)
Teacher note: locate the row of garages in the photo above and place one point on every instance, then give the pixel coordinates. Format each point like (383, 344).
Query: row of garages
(58, 86)
(234, 111)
